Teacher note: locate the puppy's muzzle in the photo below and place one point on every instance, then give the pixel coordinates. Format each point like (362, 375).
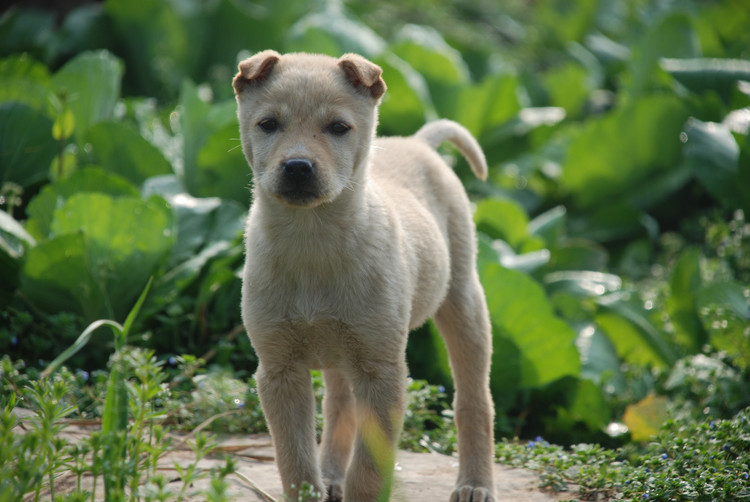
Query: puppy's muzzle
(298, 181)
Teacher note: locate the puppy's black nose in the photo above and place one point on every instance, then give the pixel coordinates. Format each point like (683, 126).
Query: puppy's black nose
(298, 169)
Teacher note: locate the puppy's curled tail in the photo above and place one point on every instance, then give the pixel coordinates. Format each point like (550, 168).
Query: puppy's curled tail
(436, 132)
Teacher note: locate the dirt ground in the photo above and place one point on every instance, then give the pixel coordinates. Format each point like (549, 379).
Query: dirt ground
(420, 477)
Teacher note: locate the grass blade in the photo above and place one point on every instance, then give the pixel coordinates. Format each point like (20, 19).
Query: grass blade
(80, 342)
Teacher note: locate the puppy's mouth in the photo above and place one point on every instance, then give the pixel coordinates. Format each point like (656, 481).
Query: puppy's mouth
(298, 184)
(299, 198)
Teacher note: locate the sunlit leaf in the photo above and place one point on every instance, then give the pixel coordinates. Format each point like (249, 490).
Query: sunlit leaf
(645, 418)
(502, 219)
(104, 253)
(522, 314)
(89, 85)
(41, 209)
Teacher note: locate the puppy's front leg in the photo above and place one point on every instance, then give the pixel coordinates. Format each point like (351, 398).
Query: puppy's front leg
(380, 404)
(289, 406)
(338, 432)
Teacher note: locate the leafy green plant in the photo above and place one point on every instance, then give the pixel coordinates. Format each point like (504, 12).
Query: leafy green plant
(614, 213)
(687, 460)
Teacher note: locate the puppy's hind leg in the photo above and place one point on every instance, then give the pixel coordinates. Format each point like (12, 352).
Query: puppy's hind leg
(339, 427)
(464, 323)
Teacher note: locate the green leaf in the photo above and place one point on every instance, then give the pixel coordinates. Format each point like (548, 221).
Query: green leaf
(611, 158)
(133, 314)
(121, 150)
(89, 85)
(407, 104)
(80, 343)
(425, 50)
(681, 302)
(222, 169)
(26, 145)
(569, 87)
(713, 155)
(585, 404)
(634, 345)
(331, 32)
(482, 107)
(708, 74)
(86, 180)
(549, 225)
(502, 219)
(26, 81)
(162, 43)
(645, 418)
(199, 120)
(14, 241)
(724, 309)
(671, 37)
(599, 360)
(583, 283)
(521, 313)
(64, 125)
(108, 248)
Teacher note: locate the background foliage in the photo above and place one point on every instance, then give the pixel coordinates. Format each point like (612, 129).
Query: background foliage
(614, 244)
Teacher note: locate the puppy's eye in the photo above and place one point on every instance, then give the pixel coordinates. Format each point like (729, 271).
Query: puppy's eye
(338, 128)
(268, 125)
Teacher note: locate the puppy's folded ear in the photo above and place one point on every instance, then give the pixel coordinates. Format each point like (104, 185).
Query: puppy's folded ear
(255, 69)
(363, 74)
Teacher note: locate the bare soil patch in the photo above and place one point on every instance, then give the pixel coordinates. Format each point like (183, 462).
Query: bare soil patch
(420, 477)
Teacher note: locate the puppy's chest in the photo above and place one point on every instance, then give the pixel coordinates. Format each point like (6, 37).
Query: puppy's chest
(308, 292)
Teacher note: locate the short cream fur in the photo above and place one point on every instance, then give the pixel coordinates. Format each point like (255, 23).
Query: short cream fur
(351, 242)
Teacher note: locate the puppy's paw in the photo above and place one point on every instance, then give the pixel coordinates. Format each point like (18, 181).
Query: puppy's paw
(335, 492)
(468, 493)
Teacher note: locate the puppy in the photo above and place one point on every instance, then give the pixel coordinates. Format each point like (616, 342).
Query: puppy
(352, 241)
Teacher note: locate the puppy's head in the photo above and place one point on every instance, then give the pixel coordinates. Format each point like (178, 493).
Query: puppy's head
(306, 123)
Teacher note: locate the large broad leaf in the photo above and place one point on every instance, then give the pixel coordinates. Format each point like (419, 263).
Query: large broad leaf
(25, 81)
(429, 54)
(610, 158)
(407, 103)
(708, 74)
(482, 107)
(713, 155)
(681, 302)
(502, 219)
(585, 404)
(207, 228)
(635, 345)
(89, 85)
(222, 169)
(569, 86)
(522, 315)
(671, 37)
(26, 145)
(331, 32)
(14, 241)
(199, 120)
(162, 43)
(122, 151)
(42, 208)
(105, 253)
(599, 360)
(725, 312)
(645, 418)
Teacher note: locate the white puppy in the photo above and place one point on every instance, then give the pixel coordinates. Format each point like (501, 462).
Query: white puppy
(351, 242)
